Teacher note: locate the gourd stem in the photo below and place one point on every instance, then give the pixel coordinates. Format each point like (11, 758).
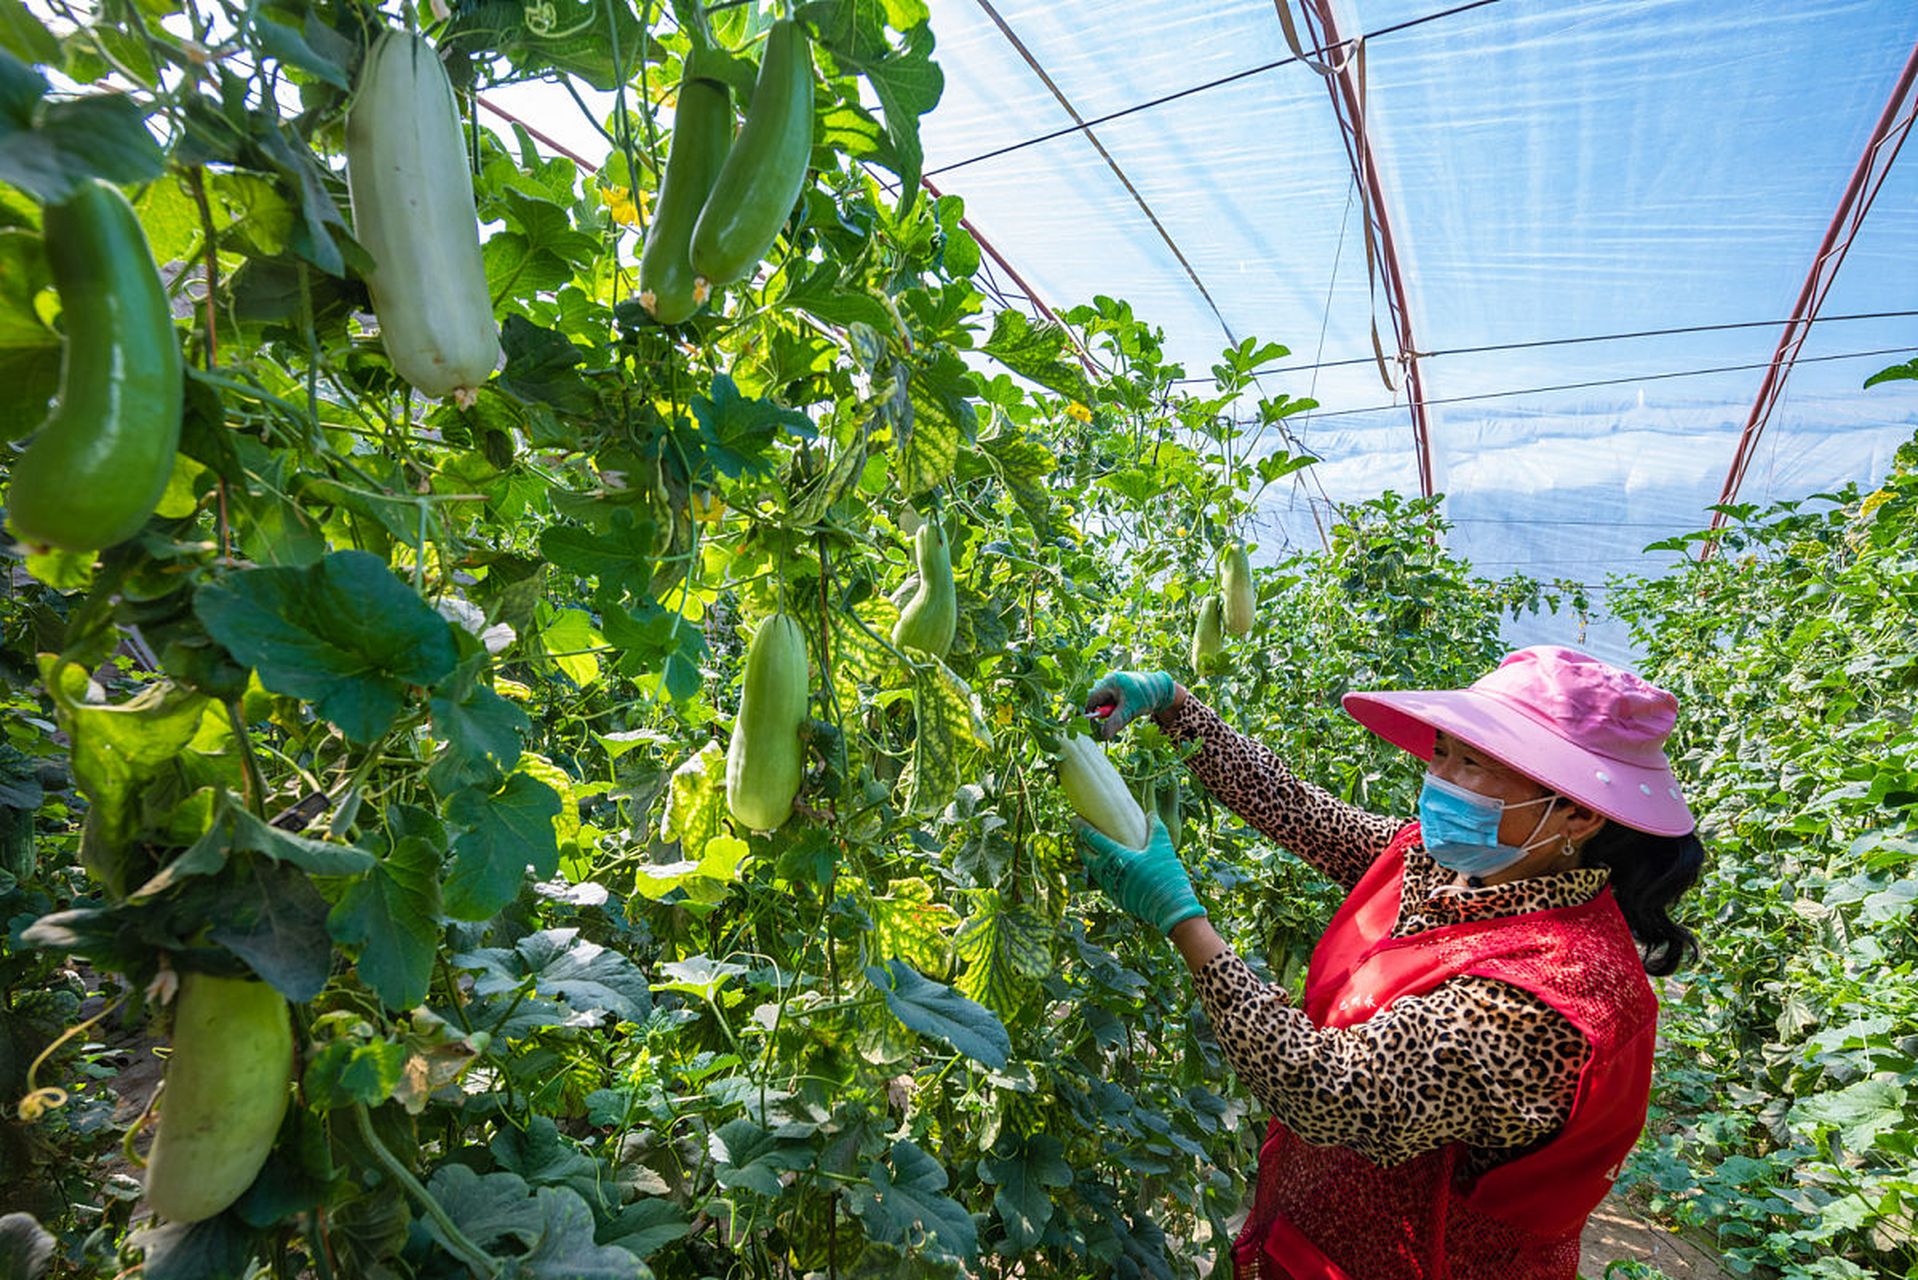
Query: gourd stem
(456, 1240)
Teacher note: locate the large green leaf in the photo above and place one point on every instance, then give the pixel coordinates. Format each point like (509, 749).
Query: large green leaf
(705, 881)
(942, 420)
(275, 920)
(489, 1209)
(618, 556)
(235, 831)
(506, 831)
(647, 1226)
(590, 978)
(747, 1155)
(22, 35)
(1037, 350)
(700, 976)
(739, 430)
(861, 656)
(29, 350)
(904, 78)
(1861, 1112)
(949, 729)
(545, 1157)
(50, 149)
(573, 643)
(348, 1071)
(935, 1009)
(344, 634)
(908, 924)
(541, 365)
(654, 638)
(565, 1249)
(1000, 945)
(695, 799)
(550, 1227)
(392, 914)
(1022, 1178)
(482, 732)
(906, 1203)
(118, 752)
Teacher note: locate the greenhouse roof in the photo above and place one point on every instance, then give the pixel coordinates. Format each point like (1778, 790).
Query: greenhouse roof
(1591, 222)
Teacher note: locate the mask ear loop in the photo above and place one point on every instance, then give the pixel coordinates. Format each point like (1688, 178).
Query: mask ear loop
(1551, 803)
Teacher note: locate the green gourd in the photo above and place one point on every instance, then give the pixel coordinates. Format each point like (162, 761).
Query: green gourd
(763, 762)
(412, 194)
(1208, 638)
(101, 460)
(1236, 590)
(929, 619)
(227, 1084)
(1171, 809)
(763, 174)
(1098, 794)
(669, 288)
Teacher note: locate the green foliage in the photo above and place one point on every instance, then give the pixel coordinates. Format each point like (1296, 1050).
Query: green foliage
(1785, 1121)
(418, 711)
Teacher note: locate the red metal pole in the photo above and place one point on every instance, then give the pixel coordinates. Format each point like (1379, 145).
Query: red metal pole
(585, 165)
(1348, 106)
(1012, 273)
(1880, 150)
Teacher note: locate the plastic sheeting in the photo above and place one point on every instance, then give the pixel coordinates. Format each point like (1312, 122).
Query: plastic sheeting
(1553, 169)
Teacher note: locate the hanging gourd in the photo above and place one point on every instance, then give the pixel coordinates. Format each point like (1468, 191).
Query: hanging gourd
(1208, 637)
(99, 463)
(928, 621)
(1098, 794)
(763, 762)
(1236, 590)
(227, 1084)
(761, 179)
(669, 288)
(412, 196)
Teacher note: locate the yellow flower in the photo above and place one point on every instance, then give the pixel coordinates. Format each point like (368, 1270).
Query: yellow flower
(1078, 411)
(619, 202)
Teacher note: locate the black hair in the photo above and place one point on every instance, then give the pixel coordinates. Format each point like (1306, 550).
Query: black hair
(1649, 874)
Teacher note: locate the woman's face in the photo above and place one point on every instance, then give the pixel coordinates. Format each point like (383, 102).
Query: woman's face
(1465, 766)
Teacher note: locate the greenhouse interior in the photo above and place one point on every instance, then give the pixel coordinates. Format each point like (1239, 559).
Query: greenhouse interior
(800, 639)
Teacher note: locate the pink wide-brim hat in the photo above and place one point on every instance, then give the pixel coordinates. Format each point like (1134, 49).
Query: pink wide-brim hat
(1585, 729)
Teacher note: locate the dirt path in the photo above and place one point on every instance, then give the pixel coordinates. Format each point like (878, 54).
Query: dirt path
(1618, 1232)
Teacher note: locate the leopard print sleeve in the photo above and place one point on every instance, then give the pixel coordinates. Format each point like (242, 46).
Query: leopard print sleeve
(1340, 839)
(1474, 1060)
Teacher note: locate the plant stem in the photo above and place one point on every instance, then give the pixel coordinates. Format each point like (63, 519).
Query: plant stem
(457, 1242)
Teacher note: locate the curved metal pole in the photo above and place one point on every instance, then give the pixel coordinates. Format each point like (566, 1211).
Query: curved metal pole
(1348, 105)
(1894, 125)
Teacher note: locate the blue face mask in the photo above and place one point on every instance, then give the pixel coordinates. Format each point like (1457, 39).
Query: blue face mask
(1460, 828)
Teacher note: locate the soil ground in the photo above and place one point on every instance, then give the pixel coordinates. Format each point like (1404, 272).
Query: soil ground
(1619, 1232)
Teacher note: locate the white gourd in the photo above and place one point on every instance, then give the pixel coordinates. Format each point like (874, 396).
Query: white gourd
(1098, 794)
(413, 212)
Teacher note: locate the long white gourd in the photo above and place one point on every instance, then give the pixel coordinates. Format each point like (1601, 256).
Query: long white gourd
(413, 212)
(1097, 792)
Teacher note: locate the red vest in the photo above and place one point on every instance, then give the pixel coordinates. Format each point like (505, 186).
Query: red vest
(1328, 1213)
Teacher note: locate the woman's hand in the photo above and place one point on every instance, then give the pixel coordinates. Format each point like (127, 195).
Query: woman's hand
(1150, 883)
(1130, 694)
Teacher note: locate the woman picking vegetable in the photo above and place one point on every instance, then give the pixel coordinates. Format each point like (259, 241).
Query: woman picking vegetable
(1473, 1057)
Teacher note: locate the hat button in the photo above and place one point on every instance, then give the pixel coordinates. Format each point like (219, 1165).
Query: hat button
(1604, 777)
(1643, 789)
(1673, 793)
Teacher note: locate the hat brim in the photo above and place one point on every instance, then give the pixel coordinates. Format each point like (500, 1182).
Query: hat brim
(1646, 799)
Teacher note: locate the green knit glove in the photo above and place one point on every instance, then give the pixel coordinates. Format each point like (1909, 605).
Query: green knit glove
(1130, 694)
(1150, 883)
